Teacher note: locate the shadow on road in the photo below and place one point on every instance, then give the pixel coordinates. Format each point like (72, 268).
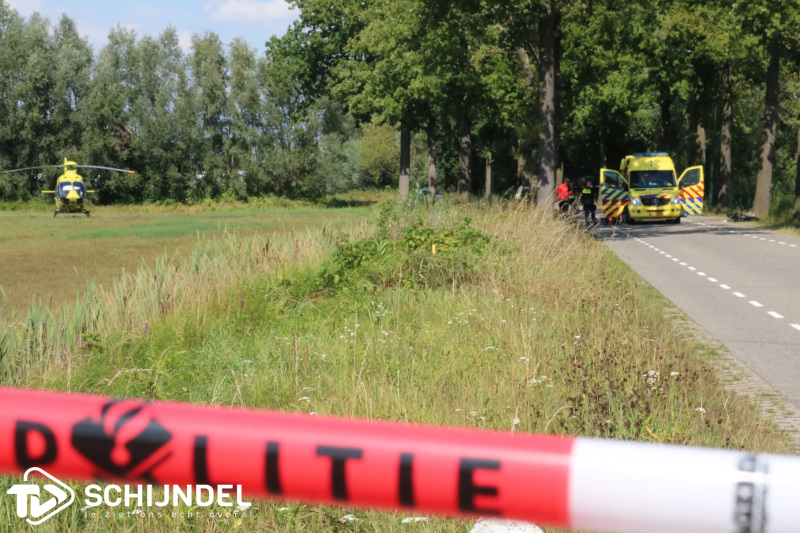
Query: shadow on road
(657, 228)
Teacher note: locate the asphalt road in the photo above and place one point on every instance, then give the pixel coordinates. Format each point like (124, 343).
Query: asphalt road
(742, 285)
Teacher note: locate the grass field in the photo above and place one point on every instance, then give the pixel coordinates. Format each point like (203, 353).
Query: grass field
(52, 259)
(519, 323)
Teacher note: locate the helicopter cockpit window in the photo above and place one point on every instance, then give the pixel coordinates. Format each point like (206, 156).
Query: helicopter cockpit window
(64, 188)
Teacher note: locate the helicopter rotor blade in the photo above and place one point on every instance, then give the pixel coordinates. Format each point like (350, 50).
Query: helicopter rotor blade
(31, 168)
(107, 168)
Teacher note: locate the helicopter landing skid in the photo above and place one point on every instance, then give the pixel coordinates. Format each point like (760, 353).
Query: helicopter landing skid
(58, 212)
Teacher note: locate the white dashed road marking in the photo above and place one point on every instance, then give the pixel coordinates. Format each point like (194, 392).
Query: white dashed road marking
(754, 303)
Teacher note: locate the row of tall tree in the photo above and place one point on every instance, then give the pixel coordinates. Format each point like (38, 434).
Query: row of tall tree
(474, 96)
(200, 124)
(566, 84)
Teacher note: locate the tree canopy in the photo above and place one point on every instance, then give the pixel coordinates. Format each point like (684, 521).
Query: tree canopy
(528, 88)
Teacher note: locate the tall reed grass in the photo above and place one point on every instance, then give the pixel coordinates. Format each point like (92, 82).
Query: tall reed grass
(46, 341)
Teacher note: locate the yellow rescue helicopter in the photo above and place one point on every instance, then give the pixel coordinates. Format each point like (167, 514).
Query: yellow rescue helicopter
(70, 192)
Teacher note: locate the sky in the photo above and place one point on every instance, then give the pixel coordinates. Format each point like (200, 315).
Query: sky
(254, 20)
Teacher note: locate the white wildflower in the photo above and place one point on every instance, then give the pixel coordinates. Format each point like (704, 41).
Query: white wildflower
(347, 518)
(700, 410)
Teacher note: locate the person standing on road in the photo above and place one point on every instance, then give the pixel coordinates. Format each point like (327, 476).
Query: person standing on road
(587, 200)
(564, 192)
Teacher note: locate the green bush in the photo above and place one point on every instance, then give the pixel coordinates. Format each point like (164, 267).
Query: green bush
(401, 252)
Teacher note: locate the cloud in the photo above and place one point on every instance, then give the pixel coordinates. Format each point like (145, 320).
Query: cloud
(185, 41)
(249, 10)
(26, 7)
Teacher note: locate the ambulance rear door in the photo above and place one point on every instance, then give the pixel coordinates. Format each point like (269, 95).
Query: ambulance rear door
(614, 195)
(692, 184)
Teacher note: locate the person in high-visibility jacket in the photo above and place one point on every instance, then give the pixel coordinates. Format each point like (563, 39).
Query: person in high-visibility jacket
(587, 200)
(564, 194)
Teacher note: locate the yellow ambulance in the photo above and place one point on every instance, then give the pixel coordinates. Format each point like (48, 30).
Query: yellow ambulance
(646, 188)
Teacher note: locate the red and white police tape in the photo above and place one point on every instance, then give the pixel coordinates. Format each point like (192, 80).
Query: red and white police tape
(574, 483)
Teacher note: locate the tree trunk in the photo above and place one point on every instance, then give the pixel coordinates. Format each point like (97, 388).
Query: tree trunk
(700, 130)
(547, 111)
(726, 140)
(432, 176)
(796, 214)
(667, 137)
(488, 191)
(603, 154)
(764, 179)
(465, 155)
(523, 174)
(405, 160)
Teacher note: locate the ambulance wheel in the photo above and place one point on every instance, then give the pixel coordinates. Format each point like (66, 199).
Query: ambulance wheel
(677, 220)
